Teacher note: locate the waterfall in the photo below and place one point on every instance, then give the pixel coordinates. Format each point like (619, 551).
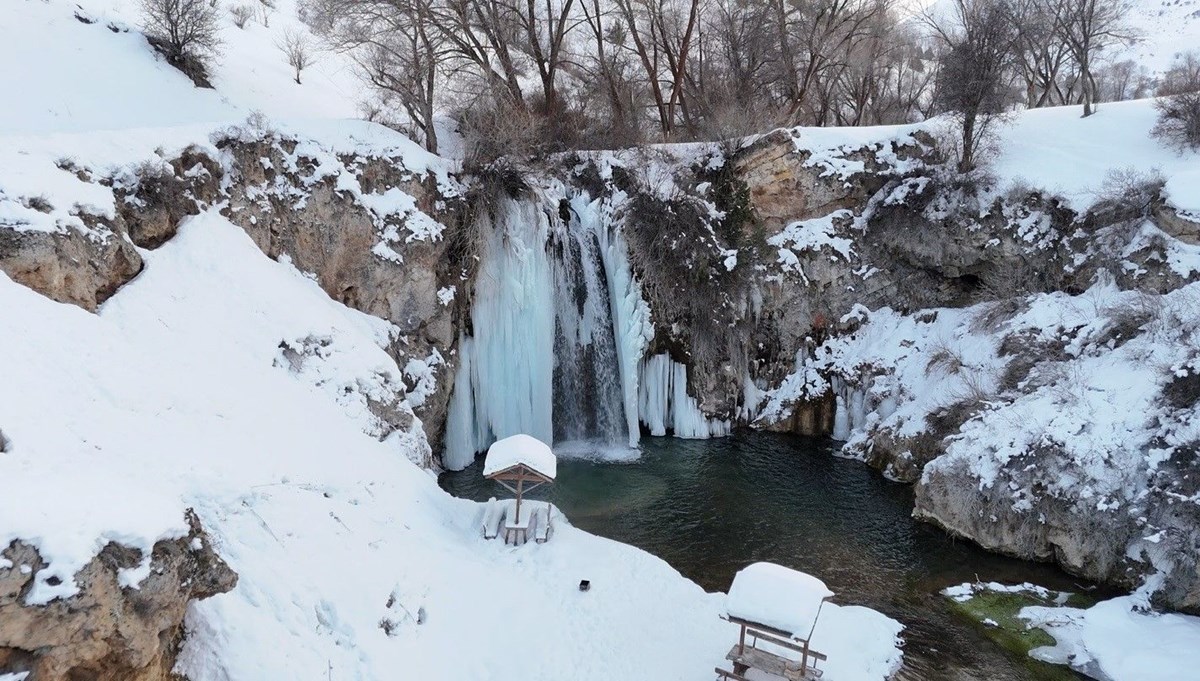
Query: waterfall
(559, 329)
(630, 313)
(588, 394)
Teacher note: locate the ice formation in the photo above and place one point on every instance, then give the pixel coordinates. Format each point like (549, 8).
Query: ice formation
(560, 333)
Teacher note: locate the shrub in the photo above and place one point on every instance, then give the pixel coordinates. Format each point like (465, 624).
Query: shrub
(1178, 124)
(241, 14)
(185, 32)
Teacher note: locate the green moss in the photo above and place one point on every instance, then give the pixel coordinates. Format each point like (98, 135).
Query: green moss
(1010, 631)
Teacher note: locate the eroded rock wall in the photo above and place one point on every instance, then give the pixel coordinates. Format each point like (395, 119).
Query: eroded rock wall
(110, 629)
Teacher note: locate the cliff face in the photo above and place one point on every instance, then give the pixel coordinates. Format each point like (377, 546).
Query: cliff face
(125, 622)
(365, 226)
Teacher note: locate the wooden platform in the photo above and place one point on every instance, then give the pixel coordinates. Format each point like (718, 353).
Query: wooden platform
(744, 658)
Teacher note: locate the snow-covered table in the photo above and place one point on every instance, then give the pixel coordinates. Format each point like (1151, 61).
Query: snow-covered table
(520, 463)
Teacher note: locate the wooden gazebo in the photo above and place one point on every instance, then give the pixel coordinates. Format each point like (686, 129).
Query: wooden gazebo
(777, 609)
(521, 463)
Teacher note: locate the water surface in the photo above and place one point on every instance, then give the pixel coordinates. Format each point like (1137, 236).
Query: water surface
(710, 507)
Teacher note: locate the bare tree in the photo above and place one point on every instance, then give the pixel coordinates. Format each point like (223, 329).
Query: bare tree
(1122, 80)
(829, 31)
(397, 48)
(298, 50)
(618, 118)
(1041, 55)
(978, 42)
(185, 32)
(662, 32)
(1087, 27)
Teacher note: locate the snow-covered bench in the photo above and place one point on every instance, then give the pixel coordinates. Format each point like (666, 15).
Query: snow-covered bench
(541, 528)
(493, 514)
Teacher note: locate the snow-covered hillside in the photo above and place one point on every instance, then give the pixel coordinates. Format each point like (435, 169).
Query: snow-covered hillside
(85, 67)
(1165, 28)
(222, 381)
(230, 367)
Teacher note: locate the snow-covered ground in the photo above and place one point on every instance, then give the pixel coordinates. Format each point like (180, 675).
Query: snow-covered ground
(1121, 638)
(103, 75)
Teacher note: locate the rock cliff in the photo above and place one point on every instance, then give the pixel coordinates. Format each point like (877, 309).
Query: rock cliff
(125, 622)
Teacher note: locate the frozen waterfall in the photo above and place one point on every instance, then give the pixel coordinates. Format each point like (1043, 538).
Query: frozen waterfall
(664, 404)
(558, 333)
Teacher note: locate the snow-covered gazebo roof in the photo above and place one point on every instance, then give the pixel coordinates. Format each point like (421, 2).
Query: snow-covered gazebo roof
(781, 598)
(520, 450)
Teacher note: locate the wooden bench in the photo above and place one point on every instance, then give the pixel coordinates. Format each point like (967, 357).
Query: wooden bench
(747, 657)
(541, 530)
(493, 514)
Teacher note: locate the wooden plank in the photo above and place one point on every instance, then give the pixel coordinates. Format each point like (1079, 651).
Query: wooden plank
(730, 675)
(775, 636)
(763, 660)
(762, 627)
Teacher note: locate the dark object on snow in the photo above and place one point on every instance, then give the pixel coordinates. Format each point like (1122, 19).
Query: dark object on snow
(584, 585)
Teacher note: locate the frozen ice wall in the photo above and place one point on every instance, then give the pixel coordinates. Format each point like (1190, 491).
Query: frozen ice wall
(505, 379)
(664, 404)
(560, 330)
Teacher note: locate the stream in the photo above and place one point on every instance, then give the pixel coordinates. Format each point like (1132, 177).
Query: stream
(710, 507)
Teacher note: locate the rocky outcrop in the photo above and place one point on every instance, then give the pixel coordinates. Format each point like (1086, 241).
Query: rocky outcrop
(88, 254)
(107, 630)
(156, 196)
(1106, 544)
(292, 208)
(70, 266)
(365, 226)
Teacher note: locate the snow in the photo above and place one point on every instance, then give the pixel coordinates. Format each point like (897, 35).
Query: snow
(811, 235)
(105, 76)
(1121, 639)
(520, 449)
(1056, 150)
(777, 596)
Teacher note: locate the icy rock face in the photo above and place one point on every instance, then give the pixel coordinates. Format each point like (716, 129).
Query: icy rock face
(125, 623)
(665, 405)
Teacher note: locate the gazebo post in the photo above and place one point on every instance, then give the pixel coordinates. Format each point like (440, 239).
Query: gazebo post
(520, 482)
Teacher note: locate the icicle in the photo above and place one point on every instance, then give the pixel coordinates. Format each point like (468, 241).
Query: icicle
(664, 404)
(511, 357)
